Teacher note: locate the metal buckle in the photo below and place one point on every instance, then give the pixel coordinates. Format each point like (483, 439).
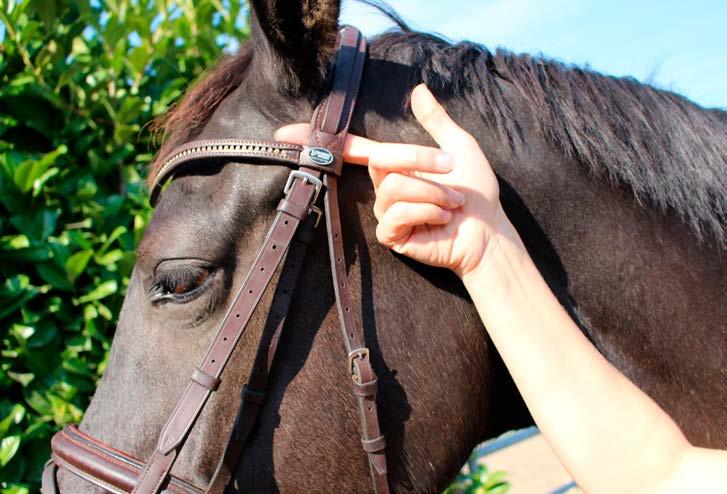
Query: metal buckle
(361, 353)
(306, 178)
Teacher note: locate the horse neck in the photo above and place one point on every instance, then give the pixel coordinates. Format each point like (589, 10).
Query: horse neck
(638, 280)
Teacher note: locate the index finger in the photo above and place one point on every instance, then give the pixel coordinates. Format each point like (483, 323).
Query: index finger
(299, 133)
(384, 156)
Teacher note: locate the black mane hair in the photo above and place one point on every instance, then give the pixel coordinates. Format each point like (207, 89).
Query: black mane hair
(670, 152)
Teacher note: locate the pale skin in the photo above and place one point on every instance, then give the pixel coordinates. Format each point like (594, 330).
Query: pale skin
(441, 207)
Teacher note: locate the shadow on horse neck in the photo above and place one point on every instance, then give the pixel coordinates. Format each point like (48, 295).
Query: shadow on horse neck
(617, 190)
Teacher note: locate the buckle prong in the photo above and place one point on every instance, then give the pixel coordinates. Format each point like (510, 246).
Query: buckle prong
(362, 353)
(317, 211)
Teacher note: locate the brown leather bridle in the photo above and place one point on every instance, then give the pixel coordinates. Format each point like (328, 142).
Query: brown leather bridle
(316, 168)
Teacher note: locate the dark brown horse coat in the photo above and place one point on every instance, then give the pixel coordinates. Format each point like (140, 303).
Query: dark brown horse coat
(617, 189)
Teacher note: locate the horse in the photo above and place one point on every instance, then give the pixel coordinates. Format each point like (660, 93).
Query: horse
(617, 189)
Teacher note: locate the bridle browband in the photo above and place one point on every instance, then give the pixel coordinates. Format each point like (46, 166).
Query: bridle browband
(316, 168)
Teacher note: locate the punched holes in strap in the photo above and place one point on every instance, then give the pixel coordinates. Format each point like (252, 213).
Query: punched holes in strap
(205, 380)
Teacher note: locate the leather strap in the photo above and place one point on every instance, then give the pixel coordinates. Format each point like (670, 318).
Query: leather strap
(100, 464)
(253, 393)
(331, 122)
(185, 414)
(247, 151)
(117, 472)
(359, 363)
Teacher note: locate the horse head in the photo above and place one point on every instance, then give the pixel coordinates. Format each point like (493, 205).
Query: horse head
(598, 174)
(205, 232)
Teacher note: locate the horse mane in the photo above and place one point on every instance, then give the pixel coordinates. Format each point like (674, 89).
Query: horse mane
(671, 153)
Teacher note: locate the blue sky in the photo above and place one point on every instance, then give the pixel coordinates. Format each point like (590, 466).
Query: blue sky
(680, 46)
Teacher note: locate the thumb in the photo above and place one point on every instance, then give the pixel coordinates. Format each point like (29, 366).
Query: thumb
(294, 133)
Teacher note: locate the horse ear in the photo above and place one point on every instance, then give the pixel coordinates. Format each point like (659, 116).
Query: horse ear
(295, 37)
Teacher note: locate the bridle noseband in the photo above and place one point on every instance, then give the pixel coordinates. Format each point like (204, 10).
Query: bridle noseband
(316, 168)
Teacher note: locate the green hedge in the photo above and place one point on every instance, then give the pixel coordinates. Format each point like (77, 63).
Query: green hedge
(79, 82)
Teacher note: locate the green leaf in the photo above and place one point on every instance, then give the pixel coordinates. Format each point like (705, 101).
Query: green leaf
(118, 231)
(24, 378)
(16, 292)
(39, 403)
(495, 478)
(13, 417)
(77, 98)
(101, 291)
(8, 447)
(78, 366)
(30, 171)
(51, 273)
(110, 258)
(76, 264)
(63, 411)
(104, 311)
(14, 489)
(14, 242)
(45, 332)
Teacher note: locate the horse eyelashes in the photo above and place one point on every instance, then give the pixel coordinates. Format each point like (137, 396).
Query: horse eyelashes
(180, 284)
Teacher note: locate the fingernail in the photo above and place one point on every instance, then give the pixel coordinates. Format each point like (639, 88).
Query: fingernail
(457, 197)
(444, 162)
(275, 134)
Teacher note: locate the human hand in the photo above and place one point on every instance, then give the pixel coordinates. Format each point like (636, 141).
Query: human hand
(437, 206)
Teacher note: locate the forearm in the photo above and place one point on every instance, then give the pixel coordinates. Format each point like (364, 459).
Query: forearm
(601, 426)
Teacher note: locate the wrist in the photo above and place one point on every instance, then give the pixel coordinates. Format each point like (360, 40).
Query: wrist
(502, 259)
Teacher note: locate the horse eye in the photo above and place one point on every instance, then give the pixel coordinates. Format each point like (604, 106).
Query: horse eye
(179, 284)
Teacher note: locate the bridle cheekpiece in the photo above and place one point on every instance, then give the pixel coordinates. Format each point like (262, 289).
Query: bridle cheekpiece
(315, 171)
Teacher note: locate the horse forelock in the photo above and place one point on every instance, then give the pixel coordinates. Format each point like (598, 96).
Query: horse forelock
(186, 119)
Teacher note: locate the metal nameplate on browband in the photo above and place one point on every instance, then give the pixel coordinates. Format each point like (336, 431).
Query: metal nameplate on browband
(320, 156)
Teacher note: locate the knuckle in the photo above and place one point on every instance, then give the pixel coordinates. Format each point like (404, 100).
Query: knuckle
(437, 115)
(377, 157)
(428, 112)
(390, 185)
(399, 212)
(381, 234)
(423, 155)
(379, 209)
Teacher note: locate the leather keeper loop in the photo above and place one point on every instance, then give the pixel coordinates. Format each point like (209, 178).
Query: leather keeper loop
(374, 445)
(205, 380)
(366, 389)
(291, 209)
(250, 396)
